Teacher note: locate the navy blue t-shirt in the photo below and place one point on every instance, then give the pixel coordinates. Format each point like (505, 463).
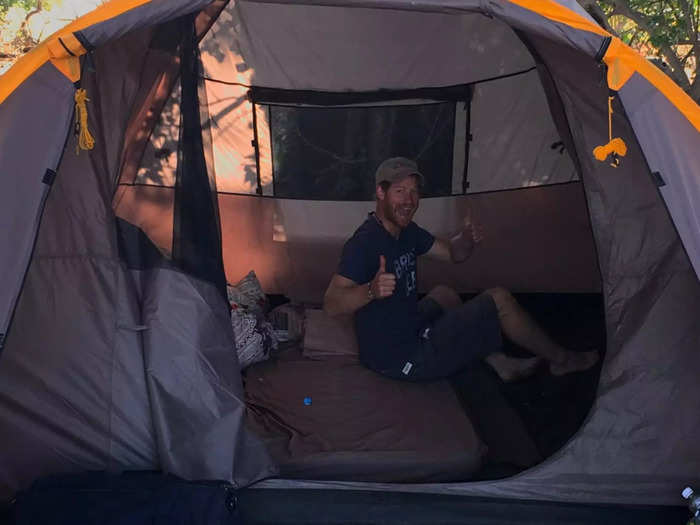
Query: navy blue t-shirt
(386, 328)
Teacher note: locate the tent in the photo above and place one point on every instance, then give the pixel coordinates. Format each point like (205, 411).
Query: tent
(116, 354)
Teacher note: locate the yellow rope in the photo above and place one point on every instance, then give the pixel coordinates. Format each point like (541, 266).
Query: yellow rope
(85, 140)
(615, 148)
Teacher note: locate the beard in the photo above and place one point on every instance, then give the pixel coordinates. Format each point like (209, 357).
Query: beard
(399, 214)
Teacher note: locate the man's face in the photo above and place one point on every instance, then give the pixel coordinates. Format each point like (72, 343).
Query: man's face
(400, 202)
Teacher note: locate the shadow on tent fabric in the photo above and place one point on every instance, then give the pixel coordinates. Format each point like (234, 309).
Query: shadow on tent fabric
(525, 422)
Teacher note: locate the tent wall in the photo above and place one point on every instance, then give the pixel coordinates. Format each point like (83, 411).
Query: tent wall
(24, 167)
(77, 390)
(672, 148)
(65, 370)
(147, 15)
(73, 390)
(294, 247)
(640, 433)
(514, 141)
(264, 45)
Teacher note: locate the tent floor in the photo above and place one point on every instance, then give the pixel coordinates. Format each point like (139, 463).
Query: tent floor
(335, 507)
(540, 414)
(525, 422)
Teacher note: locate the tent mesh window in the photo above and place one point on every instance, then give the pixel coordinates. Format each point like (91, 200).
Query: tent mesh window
(331, 153)
(327, 145)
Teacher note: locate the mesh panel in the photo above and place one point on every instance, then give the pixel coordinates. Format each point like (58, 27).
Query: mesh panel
(197, 233)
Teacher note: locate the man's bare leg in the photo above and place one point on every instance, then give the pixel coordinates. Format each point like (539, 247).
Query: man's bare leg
(446, 297)
(508, 368)
(519, 327)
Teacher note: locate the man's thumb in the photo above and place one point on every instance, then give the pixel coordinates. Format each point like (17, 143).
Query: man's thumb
(382, 264)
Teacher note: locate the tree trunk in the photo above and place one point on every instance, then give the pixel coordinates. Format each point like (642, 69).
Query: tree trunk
(23, 29)
(677, 72)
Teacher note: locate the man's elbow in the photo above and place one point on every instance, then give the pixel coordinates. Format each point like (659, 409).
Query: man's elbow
(330, 306)
(333, 310)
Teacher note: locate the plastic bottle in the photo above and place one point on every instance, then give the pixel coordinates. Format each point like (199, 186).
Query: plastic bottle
(693, 505)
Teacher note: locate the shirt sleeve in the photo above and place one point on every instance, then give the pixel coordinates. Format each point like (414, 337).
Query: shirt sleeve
(424, 240)
(355, 261)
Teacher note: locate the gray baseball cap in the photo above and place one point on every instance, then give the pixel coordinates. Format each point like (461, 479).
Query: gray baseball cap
(396, 169)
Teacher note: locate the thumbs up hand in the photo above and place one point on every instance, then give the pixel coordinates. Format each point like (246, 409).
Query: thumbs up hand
(383, 284)
(472, 229)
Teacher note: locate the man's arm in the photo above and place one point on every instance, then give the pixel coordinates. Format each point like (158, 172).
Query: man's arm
(345, 296)
(458, 248)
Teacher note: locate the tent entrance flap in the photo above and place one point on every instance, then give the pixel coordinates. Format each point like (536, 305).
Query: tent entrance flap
(196, 228)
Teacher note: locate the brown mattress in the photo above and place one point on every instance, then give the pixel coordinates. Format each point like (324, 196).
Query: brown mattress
(335, 419)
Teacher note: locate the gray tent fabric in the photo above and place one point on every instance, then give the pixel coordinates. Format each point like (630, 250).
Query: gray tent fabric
(75, 393)
(113, 367)
(520, 18)
(24, 165)
(526, 136)
(195, 388)
(670, 147)
(147, 15)
(57, 368)
(267, 49)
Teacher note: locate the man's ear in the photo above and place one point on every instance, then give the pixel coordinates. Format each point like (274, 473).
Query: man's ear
(380, 193)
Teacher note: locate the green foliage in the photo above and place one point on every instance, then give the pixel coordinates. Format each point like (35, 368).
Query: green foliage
(666, 22)
(27, 5)
(667, 29)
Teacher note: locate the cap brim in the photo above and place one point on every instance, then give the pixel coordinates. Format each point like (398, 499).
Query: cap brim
(402, 174)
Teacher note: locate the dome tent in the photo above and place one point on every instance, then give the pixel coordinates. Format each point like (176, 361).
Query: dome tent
(112, 362)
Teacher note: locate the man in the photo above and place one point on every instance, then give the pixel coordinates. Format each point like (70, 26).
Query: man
(404, 339)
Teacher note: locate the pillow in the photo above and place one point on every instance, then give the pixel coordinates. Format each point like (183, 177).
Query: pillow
(328, 336)
(254, 336)
(247, 294)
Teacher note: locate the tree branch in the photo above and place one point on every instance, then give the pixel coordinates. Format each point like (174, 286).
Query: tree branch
(677, 70)
(689, 21)
(694, 90)
(25, 23)
(593, 8)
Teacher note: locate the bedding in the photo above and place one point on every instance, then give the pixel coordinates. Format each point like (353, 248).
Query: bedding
(326, 336)
(254, 336)
(335, 419)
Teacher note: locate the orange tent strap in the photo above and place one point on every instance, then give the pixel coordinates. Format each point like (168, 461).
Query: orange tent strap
(622, 60)
(559, 13)
(37, 57)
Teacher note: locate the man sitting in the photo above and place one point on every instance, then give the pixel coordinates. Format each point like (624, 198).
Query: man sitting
(402, 338)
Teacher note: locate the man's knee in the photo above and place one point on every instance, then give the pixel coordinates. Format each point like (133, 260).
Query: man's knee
(502, 297)
(445, 296)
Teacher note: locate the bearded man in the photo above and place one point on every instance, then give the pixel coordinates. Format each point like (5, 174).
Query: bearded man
(403, 338)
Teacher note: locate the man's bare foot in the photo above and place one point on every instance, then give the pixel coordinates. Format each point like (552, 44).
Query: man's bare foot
(575, 362)
(511, 369)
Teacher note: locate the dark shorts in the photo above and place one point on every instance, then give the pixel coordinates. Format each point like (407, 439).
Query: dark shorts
(450, 341)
